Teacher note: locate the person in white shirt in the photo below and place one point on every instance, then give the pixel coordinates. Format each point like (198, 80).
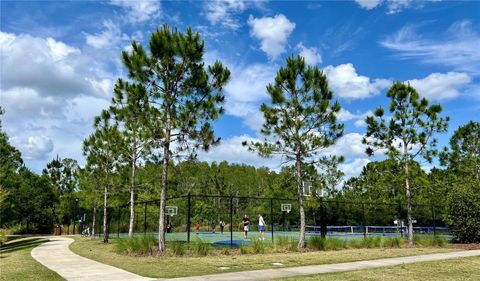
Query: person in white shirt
(261, 227)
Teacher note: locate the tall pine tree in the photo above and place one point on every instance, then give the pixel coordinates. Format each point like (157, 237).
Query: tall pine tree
(299, 122)
(186, 96)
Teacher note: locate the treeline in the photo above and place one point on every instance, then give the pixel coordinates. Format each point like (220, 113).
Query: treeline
(64, 192)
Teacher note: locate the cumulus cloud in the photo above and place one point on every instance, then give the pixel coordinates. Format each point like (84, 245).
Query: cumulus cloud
(393, 6)
(350, 146)
(346, 83)
(139, 10)
(457, 47)
(231, 150)
(353, 168)
(247, 90)
(223, 12)
(50, 92)
(273, 33)
(111, 35)
(35, 147)
(369, 4)
(441, 86)
(311, 55)
(49, 67)
(345, 115)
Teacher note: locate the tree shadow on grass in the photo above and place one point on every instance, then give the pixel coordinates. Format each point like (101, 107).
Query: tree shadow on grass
(20, 244)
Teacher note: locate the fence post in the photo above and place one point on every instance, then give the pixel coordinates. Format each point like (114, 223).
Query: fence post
(323, 227)
(145, 218)
(433, 219)
(231, 221)
(271, 214)
(118, 223)
(400, 224)
(364, 221)
(189, 206)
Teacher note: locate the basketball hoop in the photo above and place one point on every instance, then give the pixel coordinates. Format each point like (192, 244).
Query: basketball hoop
(171, 210)
(286, 208)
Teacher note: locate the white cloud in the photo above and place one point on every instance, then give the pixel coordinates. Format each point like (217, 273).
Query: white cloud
(49, 67)
(273, 33)
(35, 147)
(369, 4)
(345, 115)
(441, 86)
(311, 55)
(349, 145)
(50, 91)
(223, 12)
(457, 47)
(247, 90)
(393, 6)
(346, 83)
(139, 10)
(231, 150)
(111, 35)
(353, 168)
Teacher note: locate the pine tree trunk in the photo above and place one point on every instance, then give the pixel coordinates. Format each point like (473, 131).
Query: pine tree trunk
(409, 208)
(105, 227)
(298, 174)
(163, 191)
(408, 195)
(132, 199)
(94, 218)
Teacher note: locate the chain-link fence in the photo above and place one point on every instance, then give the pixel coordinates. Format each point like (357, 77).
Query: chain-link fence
(219, 219)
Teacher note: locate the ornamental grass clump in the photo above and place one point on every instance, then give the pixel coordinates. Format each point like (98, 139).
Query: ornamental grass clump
(143, 245)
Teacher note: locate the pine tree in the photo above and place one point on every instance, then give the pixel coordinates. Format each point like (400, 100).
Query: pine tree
(407, 134)
(131, 111)
(102, 154)
(185, 96)
(299, 122)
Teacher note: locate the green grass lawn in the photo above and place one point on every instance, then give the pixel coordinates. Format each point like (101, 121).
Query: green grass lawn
(171, 266)
(16, 263)
(464, 269)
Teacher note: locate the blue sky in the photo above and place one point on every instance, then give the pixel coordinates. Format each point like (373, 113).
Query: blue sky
(59, 61)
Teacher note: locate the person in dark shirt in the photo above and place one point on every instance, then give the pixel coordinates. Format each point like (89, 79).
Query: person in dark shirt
(246, 223)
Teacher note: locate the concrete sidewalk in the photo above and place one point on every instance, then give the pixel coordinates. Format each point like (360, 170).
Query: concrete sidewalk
(269, 274)
(56, 255)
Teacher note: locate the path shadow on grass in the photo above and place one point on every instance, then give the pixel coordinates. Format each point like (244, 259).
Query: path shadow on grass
(20, 244)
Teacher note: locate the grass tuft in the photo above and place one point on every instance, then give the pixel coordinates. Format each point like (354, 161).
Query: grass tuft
(201, 247)
(143, 245)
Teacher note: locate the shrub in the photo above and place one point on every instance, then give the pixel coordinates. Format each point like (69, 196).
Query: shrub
(282, 241)
(464, 212)
(178, 248)
(142, 245)
(316, 242)
(392, 242)
(430, 241)
(201, 247)
(258, 247)
(3, 236)
(334, 244)
(372, 241)
(244, 250)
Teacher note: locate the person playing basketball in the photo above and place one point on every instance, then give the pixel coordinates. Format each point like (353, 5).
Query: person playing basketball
(246, 223)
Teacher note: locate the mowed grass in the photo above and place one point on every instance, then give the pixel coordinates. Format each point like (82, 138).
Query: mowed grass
(171, 266)
(463, 269)
(16, 263)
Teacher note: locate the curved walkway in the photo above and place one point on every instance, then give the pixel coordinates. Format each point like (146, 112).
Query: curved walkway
(56, 255)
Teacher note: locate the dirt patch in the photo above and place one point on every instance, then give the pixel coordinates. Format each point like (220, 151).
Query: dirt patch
(473, 246)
